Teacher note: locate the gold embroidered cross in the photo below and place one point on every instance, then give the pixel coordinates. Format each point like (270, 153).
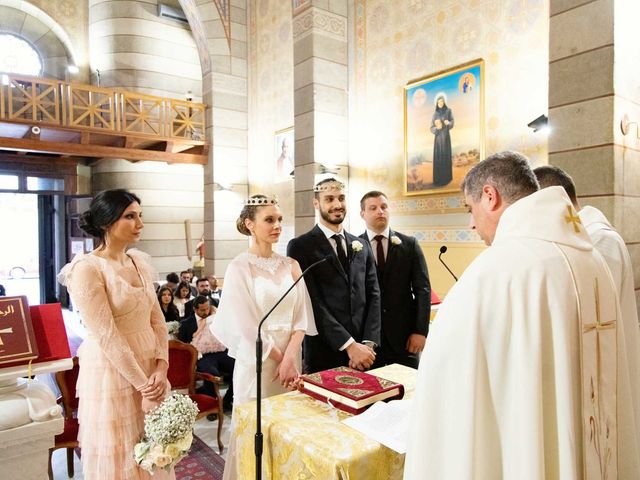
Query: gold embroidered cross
(596, 419)
(6, 330)
(571, 218)
(599, 325)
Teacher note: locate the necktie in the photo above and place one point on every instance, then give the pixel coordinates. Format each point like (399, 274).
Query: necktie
(342, 256)
(380, 253)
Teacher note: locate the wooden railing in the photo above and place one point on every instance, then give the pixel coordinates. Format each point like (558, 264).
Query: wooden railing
(47, 102)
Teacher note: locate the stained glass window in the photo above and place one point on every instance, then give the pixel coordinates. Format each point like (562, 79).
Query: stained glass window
(18, 56)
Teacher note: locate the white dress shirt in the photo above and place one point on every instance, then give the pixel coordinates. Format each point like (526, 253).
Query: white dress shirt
(374, 243)
(330, 233)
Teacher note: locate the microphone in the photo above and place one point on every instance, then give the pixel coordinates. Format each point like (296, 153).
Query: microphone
(258, 441)
(443, 249)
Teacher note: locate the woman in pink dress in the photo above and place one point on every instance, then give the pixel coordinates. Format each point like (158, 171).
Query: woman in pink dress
(123, 359)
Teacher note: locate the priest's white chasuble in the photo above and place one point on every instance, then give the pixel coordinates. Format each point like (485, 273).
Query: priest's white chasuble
(518, 378)
(612, 247)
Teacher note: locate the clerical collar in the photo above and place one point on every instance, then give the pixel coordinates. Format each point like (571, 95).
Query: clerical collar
(330, 233)
(371, 234)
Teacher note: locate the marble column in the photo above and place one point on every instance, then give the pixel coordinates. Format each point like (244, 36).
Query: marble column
(593, 72)
(320, 58)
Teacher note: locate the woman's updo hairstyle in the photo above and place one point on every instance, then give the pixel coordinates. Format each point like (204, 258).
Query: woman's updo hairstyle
(249, 210)
(105, 210)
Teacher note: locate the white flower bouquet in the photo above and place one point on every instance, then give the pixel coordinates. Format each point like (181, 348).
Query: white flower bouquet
(167, 433)
(173, 327)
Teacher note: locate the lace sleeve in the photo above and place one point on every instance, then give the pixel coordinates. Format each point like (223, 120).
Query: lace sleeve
(158, 323)
(89, 294)
(159, 327)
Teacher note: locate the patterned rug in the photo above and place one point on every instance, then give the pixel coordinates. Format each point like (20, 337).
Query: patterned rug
(202, 463)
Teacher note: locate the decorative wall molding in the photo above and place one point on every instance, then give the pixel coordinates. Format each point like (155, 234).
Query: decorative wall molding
(442, 235)
(433, 205)
(299, 6)
(314, 20)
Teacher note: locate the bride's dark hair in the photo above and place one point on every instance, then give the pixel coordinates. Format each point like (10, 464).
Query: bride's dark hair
(105, 210)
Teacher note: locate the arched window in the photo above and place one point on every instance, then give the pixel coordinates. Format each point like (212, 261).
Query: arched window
(18, 56)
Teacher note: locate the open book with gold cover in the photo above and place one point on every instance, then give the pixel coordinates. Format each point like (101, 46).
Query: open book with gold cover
(350, 390)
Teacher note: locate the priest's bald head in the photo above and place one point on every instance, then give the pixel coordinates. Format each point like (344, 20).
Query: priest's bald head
(492, 185)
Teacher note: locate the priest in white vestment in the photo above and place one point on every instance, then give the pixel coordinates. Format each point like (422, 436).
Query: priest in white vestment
(518, 379)
(614, 250)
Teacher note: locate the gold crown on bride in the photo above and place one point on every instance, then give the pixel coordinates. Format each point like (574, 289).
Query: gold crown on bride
(261, 200)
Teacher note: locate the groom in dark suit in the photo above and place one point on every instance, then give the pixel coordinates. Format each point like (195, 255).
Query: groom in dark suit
(404, 284)
(344, 291)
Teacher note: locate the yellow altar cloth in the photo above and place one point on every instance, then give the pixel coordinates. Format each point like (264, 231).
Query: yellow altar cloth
(305, 439)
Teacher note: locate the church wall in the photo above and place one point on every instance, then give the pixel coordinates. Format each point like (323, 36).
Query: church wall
(393, 43)
(587, 114)
(49, 37)
(170, 195)
(270, 102)
(627, 147)
(136, 50)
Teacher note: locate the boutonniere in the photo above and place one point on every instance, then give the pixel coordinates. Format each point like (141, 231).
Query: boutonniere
(395, 240)
(356, 246)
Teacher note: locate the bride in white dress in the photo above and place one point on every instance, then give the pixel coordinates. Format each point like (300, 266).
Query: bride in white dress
(253, 283)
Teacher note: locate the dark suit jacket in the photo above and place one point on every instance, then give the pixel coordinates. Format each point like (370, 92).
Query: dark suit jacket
(188, 307)
(344, 305)
(188, 327)
(405, 292)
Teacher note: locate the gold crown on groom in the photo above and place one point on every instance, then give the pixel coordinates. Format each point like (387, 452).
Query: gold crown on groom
(329, 186)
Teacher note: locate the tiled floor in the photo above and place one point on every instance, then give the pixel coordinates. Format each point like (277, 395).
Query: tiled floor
(204, 429)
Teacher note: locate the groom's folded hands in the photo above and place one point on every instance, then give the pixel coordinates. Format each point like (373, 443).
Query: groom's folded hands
(361, 357)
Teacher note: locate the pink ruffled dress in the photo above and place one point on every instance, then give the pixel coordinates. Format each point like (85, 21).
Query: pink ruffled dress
(126, 334)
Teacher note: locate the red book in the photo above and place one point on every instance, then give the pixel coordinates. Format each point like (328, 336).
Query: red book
(17, 340)
(50, 334)
(350, 390)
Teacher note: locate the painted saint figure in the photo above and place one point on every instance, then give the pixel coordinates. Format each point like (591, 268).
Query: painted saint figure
(441, 123)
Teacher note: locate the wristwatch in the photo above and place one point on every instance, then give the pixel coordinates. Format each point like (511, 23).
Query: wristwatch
(370, 344)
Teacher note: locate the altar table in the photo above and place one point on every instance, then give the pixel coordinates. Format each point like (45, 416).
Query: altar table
(305, 439)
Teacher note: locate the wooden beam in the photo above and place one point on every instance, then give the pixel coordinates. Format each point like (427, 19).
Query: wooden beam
(30, 134)
(97, 151)
(38, 165)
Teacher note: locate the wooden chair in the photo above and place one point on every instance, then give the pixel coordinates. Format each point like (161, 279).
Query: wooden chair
(182, 375)
(68, 439)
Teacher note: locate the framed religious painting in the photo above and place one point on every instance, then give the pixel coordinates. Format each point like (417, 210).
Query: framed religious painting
(443, 128)
(283, 154)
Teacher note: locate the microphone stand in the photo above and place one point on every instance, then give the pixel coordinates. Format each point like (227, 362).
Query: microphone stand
(443, 249)
(258, 440)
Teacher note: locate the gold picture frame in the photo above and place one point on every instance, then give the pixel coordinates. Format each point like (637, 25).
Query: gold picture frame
(443, 128)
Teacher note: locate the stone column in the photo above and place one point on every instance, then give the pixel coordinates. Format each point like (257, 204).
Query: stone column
(225, 94)
(593, 83)
(139, 51)
(320, 58)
